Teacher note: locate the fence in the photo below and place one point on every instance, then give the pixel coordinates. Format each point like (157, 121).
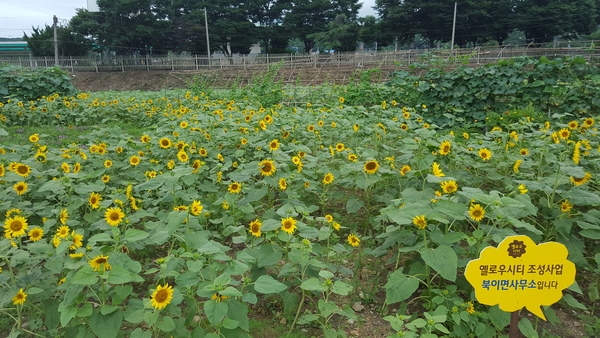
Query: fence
(478, 55)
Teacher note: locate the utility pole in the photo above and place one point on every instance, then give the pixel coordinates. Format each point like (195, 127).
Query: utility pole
(453, 27)
(55, 19)
(207, 37)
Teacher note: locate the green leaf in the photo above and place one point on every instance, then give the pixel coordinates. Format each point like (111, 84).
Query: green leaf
(527, 329)
(53, 186)
(139, 333)
(451, 209)
(499, 318)
(268, 256)
(353, 205)
(341, 288)
(166, 324)
(135, 317)
(590, 233)
(85, 276)
(400, 287)
(266, 284)
(106, 326)
(215, 311)
(133, 235)
(571, 301)
(442, 259)
(313, 284)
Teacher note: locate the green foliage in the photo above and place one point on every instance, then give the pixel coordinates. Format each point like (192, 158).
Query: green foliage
(24, 84)
(471, 94)
(41, 42)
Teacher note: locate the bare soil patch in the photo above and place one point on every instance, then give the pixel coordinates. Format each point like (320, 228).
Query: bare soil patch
(219, 78)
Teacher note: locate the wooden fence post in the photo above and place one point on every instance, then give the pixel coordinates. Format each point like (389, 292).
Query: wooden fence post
(122, 65)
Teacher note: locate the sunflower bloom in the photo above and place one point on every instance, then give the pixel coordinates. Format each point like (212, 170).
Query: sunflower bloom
(328, 179)
(63, 216)
(566, 206)
(420, 221)
(353, 240)
(437, 171)
(94, 200)
(516, 166)
(577, 181)
(371, 167)
(577, 153)
(196, 208)
(235, 188)
(63, 232)
(288, 225)
(183, 156)
(134, 160)
(282, 183)
(445, 148)
(485, 154)
(267, 167)
(16, 226)
(254, 228)
(449, 186)
(36, 234)
(19, 298)
(162, 296)
(21, 169)
(20, 188)
(470, 308)
(476, 212)
(274, 145)
(165, 143)
(114, 216)
(100, 263)
(522, 189)
(405, 169)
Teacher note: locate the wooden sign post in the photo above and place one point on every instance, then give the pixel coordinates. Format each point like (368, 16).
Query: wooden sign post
(519, 273)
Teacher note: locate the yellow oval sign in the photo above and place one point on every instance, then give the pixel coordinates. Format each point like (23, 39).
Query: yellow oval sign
(519, 273)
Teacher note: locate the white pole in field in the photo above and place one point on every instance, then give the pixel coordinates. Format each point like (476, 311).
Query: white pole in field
(207, 37)
(453, 27)
(55, 19)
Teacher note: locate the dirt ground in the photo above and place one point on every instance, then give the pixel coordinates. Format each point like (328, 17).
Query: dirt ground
(219, 78)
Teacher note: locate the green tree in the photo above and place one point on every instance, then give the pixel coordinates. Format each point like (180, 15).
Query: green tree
(41, 42)
(339, 35)
(542, 20)
(303, 18)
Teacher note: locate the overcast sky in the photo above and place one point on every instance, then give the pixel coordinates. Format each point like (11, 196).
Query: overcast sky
(17, 16)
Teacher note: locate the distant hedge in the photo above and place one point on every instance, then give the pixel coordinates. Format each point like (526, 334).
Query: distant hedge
(18, 83)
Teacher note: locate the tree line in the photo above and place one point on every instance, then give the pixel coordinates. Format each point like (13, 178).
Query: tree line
(161, 26)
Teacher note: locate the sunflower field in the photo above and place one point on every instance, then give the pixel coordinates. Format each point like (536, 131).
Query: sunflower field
(217, 205)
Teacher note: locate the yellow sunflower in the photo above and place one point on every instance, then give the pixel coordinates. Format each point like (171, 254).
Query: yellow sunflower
(165, 143)
(114, 216)
(100, 263)
(524, 151)
(522, 189)
(108, 163)
(235, 188)
(310, 128)
(36, 234)
(2, 170)
(162, 296)
(445, 147)
(353, 240)
(21, 169)
(16, 226)
(588, 123)
(274, 145)
(182, 156)
(485, 154)
(63, 232)
(328, 179)
(437, 171)
(267, 167)
(134, 160)
(145, 138)
(564, 133)
(566, 206)
(34, 138)
(476, 212)
(63, 216)
(288, 225)
(340, 147)
(196, 208)
(405, 169)
(20, 188)
(449, 187)
(516, 166)
(371, 167)
(577, 181)
(94, 200)
(254, 228)
(352, 157)
(77, 240)
(106, 179)
(573, 125)
(203, 152)
(420, 221)
(282, 183)
(19, 298)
